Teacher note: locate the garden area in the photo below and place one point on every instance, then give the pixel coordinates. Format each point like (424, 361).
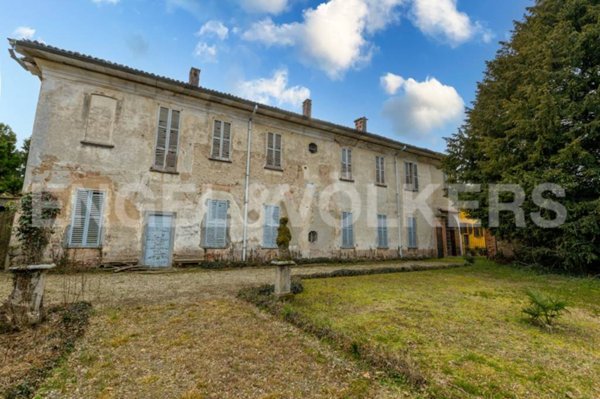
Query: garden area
(461, 332)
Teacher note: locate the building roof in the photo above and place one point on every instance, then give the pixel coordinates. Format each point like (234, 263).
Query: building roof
(32, 50)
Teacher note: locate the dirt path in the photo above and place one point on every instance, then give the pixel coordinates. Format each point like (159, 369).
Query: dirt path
(185, 335)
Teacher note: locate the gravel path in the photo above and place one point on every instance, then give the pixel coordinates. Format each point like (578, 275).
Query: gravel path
(110, 289)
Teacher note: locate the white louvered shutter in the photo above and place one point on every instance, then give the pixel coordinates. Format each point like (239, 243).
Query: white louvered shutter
(94, 225)
(226, 142)
(173, 144)
(161, 138)
(216, 142)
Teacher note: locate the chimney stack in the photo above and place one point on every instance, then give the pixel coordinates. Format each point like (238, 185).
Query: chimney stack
(361, 124)
(194, 79)
(307, 108)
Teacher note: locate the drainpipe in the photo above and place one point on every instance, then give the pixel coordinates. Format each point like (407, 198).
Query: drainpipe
(398, 204)
(247, 185)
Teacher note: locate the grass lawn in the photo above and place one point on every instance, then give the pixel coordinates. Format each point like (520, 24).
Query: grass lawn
(463, 329)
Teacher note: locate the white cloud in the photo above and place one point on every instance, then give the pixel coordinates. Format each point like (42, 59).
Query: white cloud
(331, 36)
(206, 52)
(214, 28)
(423, 107)
(274, 90)
(264, 6)
(23, 32)
(391, 83)
(106, 1)
(268, 33)
(441, 19)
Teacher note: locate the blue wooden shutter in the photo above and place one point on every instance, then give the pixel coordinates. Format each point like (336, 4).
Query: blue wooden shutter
(382, 239)
(94, 218)
(270, 227)
(216, 224)
(347, 230)
(86, 225)
(412, 232)
(79, 215)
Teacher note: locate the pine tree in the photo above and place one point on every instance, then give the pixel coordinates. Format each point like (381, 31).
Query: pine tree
(536, 119)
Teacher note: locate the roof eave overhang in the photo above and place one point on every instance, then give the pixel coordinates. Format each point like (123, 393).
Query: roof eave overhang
(31, 52)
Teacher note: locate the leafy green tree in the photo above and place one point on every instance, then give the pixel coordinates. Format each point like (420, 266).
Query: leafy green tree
(536, 119)
(12, 161)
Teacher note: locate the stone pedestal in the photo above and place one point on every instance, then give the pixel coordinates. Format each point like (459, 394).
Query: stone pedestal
(25, 305)
(283, 277)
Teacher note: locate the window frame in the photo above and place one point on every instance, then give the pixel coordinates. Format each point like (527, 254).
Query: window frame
(217, 223)
(346, 164)
(380, 170)
(275, 151)
(274, 226)
(347, 227)
(412, 236)
(411, 176)
(220, 157)
(382, 232)
(84, 235)
(164, 168)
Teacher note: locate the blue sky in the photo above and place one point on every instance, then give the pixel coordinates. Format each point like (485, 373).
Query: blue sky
(409, 66)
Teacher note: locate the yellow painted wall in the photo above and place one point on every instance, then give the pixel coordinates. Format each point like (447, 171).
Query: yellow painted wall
(468, 229)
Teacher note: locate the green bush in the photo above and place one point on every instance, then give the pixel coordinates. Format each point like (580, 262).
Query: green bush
(469, 258)
(544, 309)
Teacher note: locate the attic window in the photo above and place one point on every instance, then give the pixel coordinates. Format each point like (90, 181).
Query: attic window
(312, 148)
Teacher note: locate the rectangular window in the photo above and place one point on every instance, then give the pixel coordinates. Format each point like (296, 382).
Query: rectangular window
(274, 150)
(411, 176)
(346, 164)
(221, 141)
(271, 226)
(216, 224)
(167, 140)
(380, 170)
(382, 233)
(347, 230)
(86, 223)
(412, 232)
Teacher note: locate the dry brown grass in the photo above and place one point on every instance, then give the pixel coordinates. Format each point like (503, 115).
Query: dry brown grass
(183, 335)
(213, 348)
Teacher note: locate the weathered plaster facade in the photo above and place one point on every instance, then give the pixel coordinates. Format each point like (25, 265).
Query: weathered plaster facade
(96, 126)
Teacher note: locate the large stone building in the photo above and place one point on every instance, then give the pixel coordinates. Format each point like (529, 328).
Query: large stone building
(152, 170)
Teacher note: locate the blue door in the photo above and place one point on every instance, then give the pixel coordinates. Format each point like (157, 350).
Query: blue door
(158, 240)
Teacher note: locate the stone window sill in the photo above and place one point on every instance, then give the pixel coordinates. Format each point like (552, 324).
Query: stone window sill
(274, 168)
(97, 144)
(348, 180)
(169, 172)
(383, 185)
(220, 160)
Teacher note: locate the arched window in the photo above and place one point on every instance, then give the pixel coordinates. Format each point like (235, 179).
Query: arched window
(312, 237)
(312, 148)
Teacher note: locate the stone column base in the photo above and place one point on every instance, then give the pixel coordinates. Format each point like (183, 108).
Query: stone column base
(283, 277)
